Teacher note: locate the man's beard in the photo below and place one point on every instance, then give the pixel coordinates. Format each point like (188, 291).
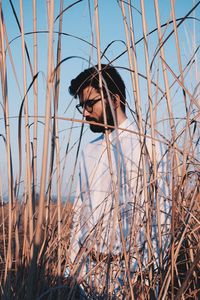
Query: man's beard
(97, 128)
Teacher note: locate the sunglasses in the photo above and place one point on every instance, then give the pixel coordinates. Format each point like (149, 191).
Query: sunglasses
(87, 104)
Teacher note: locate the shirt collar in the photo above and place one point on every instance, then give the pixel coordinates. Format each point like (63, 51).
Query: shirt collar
(126, 124)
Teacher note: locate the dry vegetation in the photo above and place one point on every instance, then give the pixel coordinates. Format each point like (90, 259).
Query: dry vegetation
(34, 232)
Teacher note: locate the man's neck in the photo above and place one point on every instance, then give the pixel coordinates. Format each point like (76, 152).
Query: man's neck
(120, 118)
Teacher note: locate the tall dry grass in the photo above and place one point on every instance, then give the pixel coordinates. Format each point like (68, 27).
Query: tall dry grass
(35, 229)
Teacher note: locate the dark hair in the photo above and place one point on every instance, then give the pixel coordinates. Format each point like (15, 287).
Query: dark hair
(90, 77)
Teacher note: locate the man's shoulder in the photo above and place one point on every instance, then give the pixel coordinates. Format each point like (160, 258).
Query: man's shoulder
(128, 126)
(128, 131)
(97, 140)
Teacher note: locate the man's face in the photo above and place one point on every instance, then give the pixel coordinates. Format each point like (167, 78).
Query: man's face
(95, 113)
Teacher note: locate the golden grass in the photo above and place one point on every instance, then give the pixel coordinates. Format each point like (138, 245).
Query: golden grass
(35, 231)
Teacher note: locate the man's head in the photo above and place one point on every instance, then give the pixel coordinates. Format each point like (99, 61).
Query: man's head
(86, 87)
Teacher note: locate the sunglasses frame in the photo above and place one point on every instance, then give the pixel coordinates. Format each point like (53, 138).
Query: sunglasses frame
(87, 104)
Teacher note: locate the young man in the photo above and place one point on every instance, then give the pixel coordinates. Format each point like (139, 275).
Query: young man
(110, 214)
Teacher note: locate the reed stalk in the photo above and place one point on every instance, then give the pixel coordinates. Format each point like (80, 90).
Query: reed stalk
(131, 48)
(28, 192)
(154, 189)
(56, 98)
(47, 121)
(116, 206)
(9, 252)
(175, 163)
(35, 93)
(115, 186)
(40, 219)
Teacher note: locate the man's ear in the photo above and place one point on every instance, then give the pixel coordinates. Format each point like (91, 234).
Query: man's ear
(116, 101)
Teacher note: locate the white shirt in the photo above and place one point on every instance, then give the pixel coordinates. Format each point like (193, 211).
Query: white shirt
(100, 195)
